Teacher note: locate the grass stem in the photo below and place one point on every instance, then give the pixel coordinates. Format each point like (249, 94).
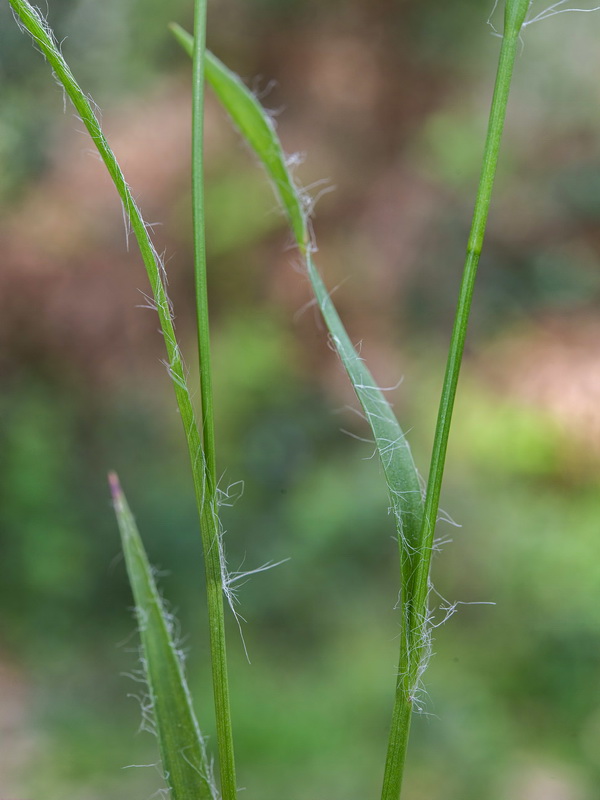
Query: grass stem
(459, 332)
(418, 613)
(214, 586)
(398, 738)
(199, 237)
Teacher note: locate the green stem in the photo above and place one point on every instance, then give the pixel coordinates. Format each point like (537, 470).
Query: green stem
(200, 277)
(214, 583)
(459, 332)
(399, 728)
(417, 611)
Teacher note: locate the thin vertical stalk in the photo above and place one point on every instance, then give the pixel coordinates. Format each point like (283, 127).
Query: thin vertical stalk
(400, 726)
(414, 651)
(214, 582)
(457, 343)
(200, 277)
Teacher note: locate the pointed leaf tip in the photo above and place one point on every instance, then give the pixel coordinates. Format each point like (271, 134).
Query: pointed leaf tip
(115, 487)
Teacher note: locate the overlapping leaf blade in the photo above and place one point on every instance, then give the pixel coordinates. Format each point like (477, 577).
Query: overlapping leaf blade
(401, 474)
(186, 767)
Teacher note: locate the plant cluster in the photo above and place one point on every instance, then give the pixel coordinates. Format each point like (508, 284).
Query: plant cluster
(188, 767)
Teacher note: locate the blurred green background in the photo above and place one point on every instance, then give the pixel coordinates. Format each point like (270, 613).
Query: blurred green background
(389, 102)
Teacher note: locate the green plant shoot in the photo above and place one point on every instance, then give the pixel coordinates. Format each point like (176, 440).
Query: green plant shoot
(186, 766)
(205, 491)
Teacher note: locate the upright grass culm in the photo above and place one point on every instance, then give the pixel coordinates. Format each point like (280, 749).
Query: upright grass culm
(418, 630)
(214, 586)
(514, 18)
(186, 764)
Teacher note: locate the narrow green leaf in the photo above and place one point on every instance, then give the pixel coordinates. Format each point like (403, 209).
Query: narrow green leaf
(186, 767)
(31, 20)
(401, 475)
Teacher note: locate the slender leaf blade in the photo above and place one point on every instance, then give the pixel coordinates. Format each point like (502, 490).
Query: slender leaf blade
(402, 478)
(186, 766)
(31, 20)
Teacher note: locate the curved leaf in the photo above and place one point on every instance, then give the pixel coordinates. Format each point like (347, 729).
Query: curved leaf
(401, 475)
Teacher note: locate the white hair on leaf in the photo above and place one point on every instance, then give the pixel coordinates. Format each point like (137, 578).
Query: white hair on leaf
(555, 9)
(552, 10)
(232, 581)
(489, 19)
